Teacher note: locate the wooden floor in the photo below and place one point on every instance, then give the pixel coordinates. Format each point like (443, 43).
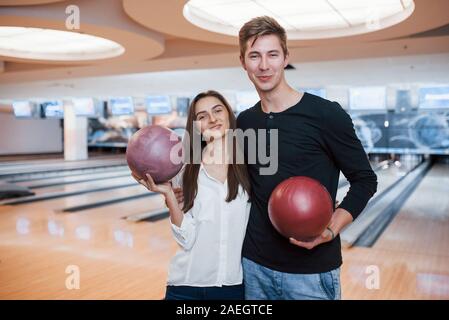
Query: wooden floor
(118, 259)
(412, 254)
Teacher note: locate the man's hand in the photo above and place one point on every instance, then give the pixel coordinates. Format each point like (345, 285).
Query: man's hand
(179, 194)
(326, 236)
(340, 219)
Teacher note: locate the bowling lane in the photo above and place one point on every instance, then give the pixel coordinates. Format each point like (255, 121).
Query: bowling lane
(83, 186)
(39, 183)
(402, 275)
(411, 255)
(38, 244)
(36, 158)
(90, 197)
(40, 215)
(98, 228)
(374, 164)
(386, 177)
(56, 160)
(24, 168)
(422, 225)
(41, 176)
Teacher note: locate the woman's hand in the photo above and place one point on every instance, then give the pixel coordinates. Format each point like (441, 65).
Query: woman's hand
(164, 188)
(176, 214)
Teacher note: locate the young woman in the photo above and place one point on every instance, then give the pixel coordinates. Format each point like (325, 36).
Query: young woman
(211, 224)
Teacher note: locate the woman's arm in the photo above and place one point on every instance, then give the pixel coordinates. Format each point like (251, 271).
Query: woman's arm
(176, 214)
(183, 225)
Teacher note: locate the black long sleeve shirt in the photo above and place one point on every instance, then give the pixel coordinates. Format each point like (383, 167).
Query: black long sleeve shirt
(316, 138)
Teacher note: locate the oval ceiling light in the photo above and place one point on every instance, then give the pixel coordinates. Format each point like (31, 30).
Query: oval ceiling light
(302, 19)
(55, 45)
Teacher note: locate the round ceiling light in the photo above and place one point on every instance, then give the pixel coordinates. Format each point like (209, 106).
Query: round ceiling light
(302, 19)
(55, 45)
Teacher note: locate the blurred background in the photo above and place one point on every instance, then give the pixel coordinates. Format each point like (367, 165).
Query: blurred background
(78, 78)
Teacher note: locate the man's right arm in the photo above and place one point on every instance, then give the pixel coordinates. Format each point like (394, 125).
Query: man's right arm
(350, 157)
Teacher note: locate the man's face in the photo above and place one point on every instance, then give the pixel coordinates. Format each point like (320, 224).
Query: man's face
(265, 62)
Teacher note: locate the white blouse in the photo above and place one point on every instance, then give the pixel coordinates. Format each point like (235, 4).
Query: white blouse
(210, 237)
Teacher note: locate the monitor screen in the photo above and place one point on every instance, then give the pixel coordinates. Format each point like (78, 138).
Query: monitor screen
(367, 98)
(182, 105)
(84, 107)
(320, 92)
(158, 105)
(246, 99)
(121, 106)
(53, 109)
(24, 109)
(434, 98)
(403, 101)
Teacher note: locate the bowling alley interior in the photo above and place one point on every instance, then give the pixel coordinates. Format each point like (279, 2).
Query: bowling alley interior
(78, 78)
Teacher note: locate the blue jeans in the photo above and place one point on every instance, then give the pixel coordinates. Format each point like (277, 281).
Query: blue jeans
(262, 283)
(205, 293)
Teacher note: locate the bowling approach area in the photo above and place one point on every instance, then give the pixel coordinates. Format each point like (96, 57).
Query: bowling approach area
(79, 78)
(92, 215)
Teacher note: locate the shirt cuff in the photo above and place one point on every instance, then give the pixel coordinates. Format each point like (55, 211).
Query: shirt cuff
(182, 230)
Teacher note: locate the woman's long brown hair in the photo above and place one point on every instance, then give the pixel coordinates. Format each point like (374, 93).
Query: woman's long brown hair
(237, 173)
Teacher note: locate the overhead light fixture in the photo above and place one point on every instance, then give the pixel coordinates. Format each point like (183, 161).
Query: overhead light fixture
(55, 45)
(302, 19)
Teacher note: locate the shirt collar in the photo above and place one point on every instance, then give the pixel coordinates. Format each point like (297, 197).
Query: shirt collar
(203, 169)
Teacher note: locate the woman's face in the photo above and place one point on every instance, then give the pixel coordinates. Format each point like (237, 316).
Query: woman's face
(212, 118)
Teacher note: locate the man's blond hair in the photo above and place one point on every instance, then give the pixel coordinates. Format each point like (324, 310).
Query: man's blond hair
(258, 27)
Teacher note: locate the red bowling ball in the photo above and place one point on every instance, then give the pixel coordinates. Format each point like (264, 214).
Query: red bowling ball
(149, 150)
(300, 207)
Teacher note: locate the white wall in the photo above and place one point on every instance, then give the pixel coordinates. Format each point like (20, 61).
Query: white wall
(27, 136)
(361, 72)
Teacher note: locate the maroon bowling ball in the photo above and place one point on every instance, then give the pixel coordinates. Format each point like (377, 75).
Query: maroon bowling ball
(149, 150)
(300, 207)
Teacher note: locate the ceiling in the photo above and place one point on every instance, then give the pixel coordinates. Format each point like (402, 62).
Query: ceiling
(163, 53)
(157, 37)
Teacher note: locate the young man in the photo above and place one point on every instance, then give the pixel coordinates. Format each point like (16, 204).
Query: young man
(316, 138)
